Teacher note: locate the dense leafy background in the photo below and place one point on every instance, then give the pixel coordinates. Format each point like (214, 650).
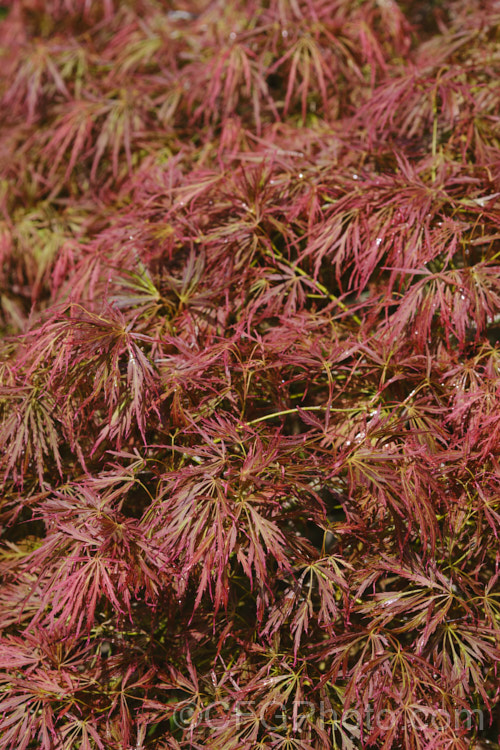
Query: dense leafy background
(249, 404)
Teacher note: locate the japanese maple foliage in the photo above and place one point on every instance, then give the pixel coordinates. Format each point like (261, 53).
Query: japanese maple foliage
(250, 374)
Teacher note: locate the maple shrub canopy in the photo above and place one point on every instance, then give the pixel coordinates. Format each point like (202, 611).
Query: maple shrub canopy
(249, 374)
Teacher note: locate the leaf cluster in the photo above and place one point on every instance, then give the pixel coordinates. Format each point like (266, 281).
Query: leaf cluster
(249, 374)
